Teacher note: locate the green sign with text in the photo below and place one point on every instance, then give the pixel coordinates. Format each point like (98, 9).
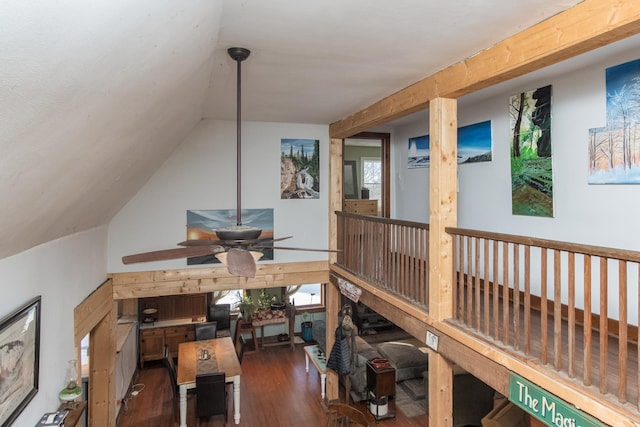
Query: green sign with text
(546, 407)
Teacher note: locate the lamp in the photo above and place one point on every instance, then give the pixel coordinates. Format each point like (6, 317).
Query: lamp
(72, 390)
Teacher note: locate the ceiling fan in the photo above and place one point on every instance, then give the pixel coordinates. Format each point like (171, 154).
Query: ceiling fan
(238, 246)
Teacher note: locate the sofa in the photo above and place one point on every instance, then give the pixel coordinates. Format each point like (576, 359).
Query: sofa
(364, 353)
(408, 360)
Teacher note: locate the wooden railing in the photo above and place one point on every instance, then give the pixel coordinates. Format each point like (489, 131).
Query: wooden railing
(391, 254)
(572, 306)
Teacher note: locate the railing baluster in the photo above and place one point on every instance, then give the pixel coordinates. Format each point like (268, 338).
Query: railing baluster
(557, 311)
(604, 327)
(543, 305)
(496, 292)
(476, 284)
(487, 287)
(622, 331)
(527, 299)
(468, 281)
(571, 327)
(587, 328)
(461, 278)
(516, 296)
(505, 292)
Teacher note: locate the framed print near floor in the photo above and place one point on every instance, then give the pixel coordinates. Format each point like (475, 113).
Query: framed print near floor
(19, 360)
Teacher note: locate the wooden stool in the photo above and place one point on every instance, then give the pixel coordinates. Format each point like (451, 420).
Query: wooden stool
(243, 327)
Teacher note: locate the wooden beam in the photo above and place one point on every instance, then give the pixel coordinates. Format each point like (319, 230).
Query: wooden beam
(92, 310)
(198, 280)
(584, 27)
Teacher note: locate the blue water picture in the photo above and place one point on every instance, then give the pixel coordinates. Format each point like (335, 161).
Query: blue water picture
(474, 145)
(614, 150)
(419, 152)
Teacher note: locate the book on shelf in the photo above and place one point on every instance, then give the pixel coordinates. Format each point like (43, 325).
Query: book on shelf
(52, 419)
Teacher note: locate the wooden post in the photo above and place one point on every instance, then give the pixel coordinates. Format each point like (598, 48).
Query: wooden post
(443, 203)
(336, 169)
(332, 305)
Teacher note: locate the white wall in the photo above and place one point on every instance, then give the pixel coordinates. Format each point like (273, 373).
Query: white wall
(64, 272)
(603, 215)
(201, 174)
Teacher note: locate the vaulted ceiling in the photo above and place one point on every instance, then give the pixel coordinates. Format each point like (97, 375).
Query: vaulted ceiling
(94, 96)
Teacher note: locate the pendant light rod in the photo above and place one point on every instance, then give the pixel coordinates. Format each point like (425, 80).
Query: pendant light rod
(238, 54)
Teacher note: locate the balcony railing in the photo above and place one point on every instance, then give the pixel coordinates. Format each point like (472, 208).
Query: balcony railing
(388, 253)
(574, 307)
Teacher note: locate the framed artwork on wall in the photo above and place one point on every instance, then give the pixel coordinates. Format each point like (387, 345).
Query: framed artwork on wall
(19, 360)
(202, 225)
(350, 176)
(614, 150)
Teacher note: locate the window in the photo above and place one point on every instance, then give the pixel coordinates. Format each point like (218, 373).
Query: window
(372, 178)
(231, 297)
(309, 294)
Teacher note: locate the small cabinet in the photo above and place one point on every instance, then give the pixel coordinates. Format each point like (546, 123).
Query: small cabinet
(176, 335)
(151, 344)
(153, 340)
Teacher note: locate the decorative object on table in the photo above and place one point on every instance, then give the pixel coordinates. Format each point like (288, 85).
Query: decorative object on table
(19, 359)
(237, 246)
(72, 390)
(306, 327)
(52, 419)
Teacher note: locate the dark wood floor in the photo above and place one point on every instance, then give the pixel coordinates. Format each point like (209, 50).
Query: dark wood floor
(275, 391)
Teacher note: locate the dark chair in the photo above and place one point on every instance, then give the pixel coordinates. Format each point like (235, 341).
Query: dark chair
(206, 331)
(220, 313)
(171, 369)
(211, 395)
(240, 344)
(341, 414)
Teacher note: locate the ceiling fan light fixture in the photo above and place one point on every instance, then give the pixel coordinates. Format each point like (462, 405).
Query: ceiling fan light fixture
(239, 262)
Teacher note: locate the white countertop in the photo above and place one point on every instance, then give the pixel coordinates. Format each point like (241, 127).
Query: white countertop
(173, 322)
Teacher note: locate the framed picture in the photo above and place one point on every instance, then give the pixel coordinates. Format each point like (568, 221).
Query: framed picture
(350, 176)
(19, 360)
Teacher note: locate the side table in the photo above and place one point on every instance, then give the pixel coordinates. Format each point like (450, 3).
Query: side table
(381, 383)
(319, 360)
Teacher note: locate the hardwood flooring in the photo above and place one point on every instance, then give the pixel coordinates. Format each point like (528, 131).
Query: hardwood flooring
(275, 391)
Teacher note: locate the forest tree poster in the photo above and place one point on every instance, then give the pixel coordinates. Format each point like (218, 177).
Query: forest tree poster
(531, 169)
(299, 168)
(614, 150)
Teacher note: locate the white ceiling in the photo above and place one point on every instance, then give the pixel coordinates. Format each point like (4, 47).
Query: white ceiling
(94, 95)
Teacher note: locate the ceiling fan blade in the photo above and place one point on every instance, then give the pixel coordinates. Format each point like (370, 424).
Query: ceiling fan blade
(270, 239)
(171, 254)
(240, 262)
(193, 243)
(297, 249)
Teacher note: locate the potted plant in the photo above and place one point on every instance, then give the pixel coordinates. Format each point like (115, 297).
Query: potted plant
(306, 327)
(246, 305)
(265, 300)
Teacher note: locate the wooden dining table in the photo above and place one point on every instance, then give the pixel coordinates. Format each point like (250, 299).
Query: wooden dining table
(223, 359)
